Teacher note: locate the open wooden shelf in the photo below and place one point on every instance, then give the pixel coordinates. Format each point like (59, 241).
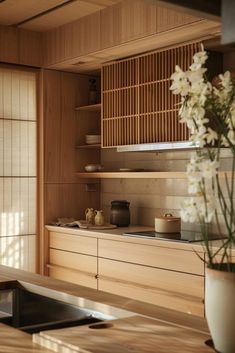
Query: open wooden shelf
(88, 146)
(90, 108)
(141, 175)
(155, 175)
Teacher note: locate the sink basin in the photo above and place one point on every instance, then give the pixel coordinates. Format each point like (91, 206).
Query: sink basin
(32, 312)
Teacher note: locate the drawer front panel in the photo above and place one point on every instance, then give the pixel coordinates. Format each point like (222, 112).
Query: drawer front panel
(75, 243)
(174, 290)
(172, 259)
(64, 274)
(83, 263)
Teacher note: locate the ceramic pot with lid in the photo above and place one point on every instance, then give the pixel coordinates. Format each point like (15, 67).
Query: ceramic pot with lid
(167, 224)
(120, 213)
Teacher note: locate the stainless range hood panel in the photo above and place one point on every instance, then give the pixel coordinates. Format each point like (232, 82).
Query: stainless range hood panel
(158, 147)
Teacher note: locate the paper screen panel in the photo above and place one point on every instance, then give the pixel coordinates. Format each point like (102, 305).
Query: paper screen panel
(18, 160)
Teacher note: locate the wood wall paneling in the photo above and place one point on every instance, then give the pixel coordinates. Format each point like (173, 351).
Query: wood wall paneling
(52, 119)
(69, 123)
(18, 46)
(9, 44)
(168, 19)
(86, 36)
(110, 26)
(30, 48)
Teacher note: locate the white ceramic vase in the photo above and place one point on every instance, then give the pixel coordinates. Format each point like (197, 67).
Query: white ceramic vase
(220, 309)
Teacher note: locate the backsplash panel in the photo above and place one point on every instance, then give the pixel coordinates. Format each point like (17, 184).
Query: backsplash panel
(150, 197)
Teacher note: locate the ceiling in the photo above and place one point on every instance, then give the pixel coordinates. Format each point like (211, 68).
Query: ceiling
(43, 15)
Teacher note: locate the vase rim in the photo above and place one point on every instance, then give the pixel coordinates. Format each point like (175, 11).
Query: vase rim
(218, 273)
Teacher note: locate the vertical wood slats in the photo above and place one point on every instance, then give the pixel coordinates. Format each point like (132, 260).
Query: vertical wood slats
(138, 106)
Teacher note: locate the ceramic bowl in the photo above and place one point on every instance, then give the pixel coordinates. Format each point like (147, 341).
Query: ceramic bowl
(93, 168)
(93, 139)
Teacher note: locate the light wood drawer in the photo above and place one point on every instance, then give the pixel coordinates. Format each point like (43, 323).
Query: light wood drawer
(75, 243)
(172, 259)
(174, 290)
(72, 267)
(83, 263)
(72, 276)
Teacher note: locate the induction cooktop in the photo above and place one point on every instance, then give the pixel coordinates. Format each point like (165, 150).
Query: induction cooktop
(184, 236)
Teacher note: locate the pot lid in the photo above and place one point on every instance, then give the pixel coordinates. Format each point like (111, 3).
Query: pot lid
(169, 216)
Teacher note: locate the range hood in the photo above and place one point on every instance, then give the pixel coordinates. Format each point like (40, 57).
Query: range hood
(158, 146)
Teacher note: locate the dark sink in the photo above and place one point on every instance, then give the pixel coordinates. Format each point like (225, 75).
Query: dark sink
(32, 313)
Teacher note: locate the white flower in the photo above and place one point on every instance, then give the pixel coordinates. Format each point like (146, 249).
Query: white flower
(200, 57)
(181, 87)
(195, 66)
(194, 185)
(211, 136)
(225, 80)
(188, 211)
(208, 168)
(197, 75)
(178, 75)
(206, 208)
(231, 136)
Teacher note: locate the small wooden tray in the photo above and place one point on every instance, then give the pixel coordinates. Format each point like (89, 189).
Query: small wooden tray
(85, 225)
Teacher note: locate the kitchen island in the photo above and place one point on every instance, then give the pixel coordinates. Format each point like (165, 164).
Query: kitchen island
(139, 327)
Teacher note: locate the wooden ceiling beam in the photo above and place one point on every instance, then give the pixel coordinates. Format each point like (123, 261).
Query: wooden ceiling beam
(67, 2)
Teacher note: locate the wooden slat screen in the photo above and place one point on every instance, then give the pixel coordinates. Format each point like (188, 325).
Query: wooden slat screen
(137, 105)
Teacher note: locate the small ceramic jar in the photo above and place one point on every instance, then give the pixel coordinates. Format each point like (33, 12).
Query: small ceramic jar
(99, 218)
(90, 215)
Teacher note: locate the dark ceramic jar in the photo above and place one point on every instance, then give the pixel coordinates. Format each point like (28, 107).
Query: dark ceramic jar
(120, 213)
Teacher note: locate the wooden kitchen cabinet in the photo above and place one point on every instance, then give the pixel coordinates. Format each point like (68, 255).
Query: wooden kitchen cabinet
(168, 277)
(171, 278)
(73, 258)
(137, 104)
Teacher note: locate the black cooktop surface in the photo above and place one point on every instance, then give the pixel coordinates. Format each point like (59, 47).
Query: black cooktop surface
(184, 236)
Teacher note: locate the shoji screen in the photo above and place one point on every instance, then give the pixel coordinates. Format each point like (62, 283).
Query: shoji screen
(18, 127)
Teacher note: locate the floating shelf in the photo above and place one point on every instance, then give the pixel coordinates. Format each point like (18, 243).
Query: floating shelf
(154, 175)
(91, 108)
(141, 175)
(88, 146)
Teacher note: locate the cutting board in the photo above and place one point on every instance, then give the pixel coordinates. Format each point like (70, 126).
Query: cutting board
(135, 334)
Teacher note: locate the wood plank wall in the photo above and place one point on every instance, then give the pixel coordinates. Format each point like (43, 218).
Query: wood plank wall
(19, 46)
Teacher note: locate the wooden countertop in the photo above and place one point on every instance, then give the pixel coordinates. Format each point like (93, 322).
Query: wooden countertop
(168, 322)
(117, 235)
